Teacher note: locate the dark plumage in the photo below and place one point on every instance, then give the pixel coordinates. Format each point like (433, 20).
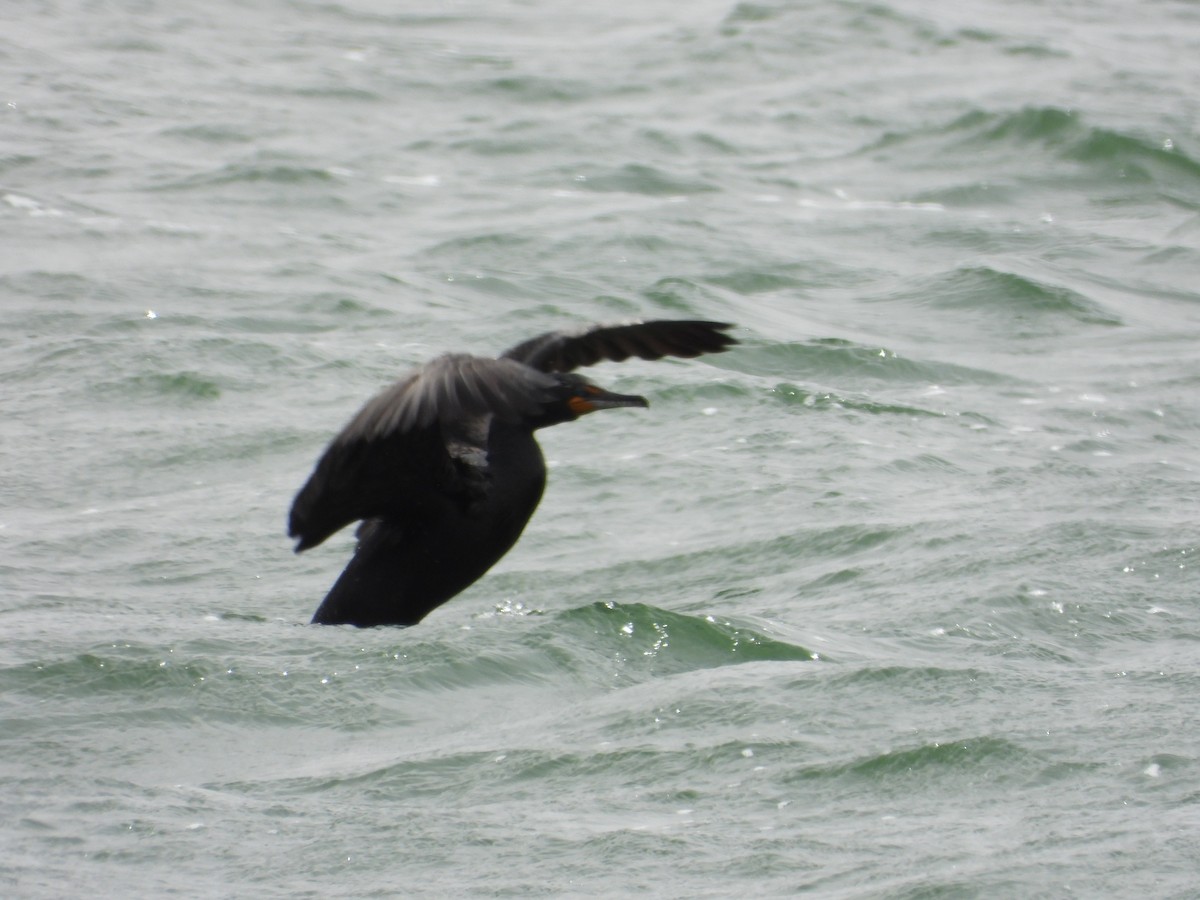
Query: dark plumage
(443, 468)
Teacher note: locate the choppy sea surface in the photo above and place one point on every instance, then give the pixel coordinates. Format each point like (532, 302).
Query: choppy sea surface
(898, 599)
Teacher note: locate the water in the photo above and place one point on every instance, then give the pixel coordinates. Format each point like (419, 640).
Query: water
(895, 600)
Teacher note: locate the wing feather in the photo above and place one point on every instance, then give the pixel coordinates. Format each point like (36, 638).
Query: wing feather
(564, 351)
(409, 448)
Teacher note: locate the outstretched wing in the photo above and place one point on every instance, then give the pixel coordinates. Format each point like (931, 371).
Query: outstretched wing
(414, 446)
(563, 351)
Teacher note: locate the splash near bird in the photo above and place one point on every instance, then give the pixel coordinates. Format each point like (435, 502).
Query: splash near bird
(443, 470)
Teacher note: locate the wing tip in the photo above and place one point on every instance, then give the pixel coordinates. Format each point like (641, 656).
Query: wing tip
(305, 539)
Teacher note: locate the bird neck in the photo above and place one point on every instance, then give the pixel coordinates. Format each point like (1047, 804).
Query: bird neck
(515, 462)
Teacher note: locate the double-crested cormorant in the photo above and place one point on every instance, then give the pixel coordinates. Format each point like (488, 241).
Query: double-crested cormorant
(443, 469)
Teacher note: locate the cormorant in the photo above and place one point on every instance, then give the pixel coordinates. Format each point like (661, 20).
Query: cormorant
(443, 468)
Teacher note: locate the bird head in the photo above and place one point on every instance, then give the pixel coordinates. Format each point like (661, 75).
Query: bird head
(573, 396)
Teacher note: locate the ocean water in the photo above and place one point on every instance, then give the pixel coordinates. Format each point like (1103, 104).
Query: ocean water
(897, 599)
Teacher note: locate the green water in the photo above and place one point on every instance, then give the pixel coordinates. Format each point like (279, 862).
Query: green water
(896, 599)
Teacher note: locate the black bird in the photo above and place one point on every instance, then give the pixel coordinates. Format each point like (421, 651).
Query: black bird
(443, 468)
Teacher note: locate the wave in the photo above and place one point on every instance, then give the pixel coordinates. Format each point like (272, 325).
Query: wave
(1041, 146)
(263, 172)
(1018, 301)
(828, 358)
(985, 754)
(124, 668)
(643, 179)
(674, 642)
(177, 386)
(1068, 135)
